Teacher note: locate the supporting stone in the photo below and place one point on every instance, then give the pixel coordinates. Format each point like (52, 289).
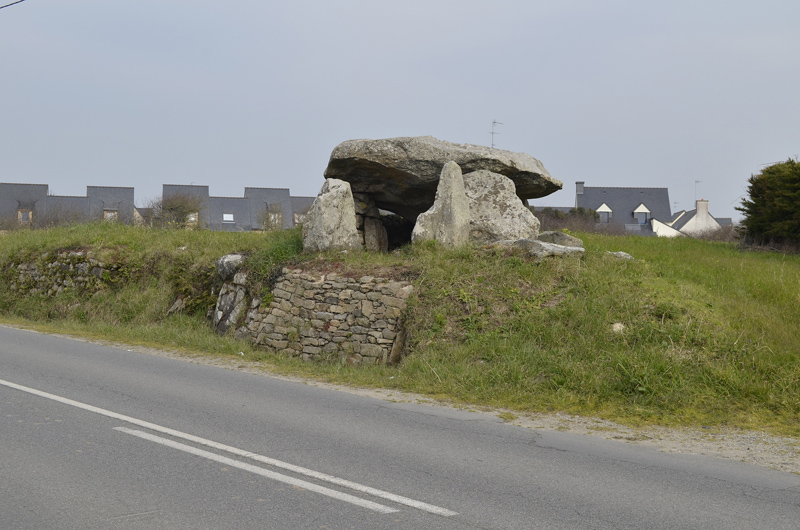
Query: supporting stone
(331, 222)
(447, 221)
(375, 237)
(496, 212)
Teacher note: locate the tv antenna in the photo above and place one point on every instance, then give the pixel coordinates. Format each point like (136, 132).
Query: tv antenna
(495, 122)
(696, 182)
(12, 3)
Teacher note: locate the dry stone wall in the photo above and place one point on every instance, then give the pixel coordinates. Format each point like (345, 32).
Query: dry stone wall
(54, 273)
(321, 316)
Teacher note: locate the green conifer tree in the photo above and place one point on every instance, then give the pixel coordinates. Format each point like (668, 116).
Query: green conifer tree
(772, 208)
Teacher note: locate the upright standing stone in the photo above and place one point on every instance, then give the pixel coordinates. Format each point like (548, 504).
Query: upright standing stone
(331, 222)
(496, 212)
(447, 221)
(372, 233)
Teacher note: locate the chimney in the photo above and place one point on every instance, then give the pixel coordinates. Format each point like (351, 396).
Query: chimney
(702, 207)
(578, 191)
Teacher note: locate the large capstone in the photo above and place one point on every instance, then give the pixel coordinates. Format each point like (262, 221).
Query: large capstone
(447, 221)
(495, 211)
(331, 221)
(402, 174)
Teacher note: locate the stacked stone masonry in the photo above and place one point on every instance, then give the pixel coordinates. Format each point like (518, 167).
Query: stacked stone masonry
(327, 316)
(55, 273)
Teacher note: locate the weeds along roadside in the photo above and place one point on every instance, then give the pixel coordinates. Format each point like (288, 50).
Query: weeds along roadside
(706, 338)
(151, 268)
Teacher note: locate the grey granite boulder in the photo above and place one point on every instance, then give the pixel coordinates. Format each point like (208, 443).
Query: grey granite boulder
(402, 174)
(228, 265)
(620, 255)
(447, 221)
(560, 238)
(371, 231)
(232, 300)
(539, 249)
(375, 237)
(331, 221)
(495, 210)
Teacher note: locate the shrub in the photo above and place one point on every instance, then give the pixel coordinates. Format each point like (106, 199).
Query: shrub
(723, 234)
(176, 211)
(271, 218)
(576, 220)
(772, 210)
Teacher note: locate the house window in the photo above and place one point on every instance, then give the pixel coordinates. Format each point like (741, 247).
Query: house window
(227, 218)
(191, 218)
(24, 216)
(275, 219)
(109, 215)
(604, 213)
(642, 214)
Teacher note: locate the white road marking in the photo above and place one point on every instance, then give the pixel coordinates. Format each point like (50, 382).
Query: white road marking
(239, 452)
(261, 471)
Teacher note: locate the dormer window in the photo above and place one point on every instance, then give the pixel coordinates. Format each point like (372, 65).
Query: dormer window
(642, 214)
(605, 213)
(24, 216)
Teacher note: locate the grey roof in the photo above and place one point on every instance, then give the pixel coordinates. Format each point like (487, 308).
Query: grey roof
(302, 205)
(623, 201)
(248, 212)
(193, 190)
(687, 216)
(675, 216)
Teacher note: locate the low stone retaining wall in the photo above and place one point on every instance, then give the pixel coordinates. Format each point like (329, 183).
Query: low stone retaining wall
(322, 316)
(53, 274)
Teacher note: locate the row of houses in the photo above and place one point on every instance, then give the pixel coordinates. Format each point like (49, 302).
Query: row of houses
(29, 204)
(643, 211)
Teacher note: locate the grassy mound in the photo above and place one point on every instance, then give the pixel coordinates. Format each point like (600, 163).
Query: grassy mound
(689, 333)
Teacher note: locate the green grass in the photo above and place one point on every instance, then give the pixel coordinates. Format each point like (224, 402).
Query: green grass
(708, 339)
(709, 332)
(155, 268)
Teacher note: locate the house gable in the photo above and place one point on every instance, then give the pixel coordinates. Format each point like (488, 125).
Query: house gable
(698, 220)
(625, 202)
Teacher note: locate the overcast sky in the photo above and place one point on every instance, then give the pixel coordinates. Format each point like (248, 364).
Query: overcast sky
(252, 93)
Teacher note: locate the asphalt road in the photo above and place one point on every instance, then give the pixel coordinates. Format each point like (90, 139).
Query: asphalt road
(98, 437)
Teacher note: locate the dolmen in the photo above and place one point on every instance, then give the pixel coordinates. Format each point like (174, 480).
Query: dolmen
(452, 193)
